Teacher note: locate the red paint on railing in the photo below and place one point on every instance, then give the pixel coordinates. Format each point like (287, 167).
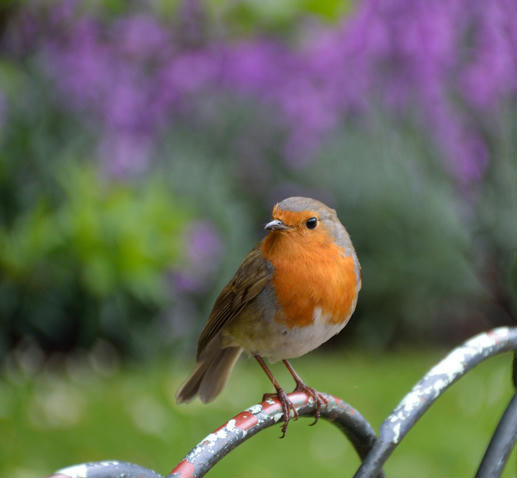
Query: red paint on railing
(245, 420)
(184, 469)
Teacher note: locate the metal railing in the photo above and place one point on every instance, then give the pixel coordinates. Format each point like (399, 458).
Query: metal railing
(373, 450)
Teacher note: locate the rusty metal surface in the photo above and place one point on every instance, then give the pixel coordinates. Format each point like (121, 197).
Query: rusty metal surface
(430, 387)
(258, 417)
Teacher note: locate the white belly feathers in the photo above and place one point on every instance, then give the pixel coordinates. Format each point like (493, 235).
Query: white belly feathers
(276, 341)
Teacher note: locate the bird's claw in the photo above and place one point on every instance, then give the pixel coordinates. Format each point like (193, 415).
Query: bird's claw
(287, 406)
(319, 399)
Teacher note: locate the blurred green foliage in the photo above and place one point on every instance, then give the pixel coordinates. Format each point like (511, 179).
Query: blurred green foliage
(244, 17)
(279, 17)
(82, 255)
(97, 230)
(67, 266)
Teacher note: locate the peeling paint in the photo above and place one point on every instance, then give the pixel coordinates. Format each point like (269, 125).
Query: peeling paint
(75, 471)
(439, 378)
(257, 417)
(184, 469)
(111, 469)
(245, 420)
(255, 409)
(269, 404)
(396, 432)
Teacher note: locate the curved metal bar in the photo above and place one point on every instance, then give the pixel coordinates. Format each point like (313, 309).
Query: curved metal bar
(258, 417)
(501, 443)
(105, 469)
(429, 388)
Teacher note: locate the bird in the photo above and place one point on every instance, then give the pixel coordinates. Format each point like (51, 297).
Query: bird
(297, 288)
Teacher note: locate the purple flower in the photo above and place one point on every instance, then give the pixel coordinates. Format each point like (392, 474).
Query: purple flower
(140, 37)
(491, 71)
(204, 249)
(81, 66)
(444, 60)
(122, 152)
(204, 244)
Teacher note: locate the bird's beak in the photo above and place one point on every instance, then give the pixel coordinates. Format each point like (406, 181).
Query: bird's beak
(276, 225)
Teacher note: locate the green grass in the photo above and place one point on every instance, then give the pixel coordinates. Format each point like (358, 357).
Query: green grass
(86, 413)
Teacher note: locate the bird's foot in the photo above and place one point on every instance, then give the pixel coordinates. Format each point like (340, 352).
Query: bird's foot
(287, 406)
(318, 397)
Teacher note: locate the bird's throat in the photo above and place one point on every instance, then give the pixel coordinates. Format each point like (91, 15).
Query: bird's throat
(310, 271)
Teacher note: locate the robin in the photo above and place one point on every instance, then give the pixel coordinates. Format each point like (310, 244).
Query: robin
(295, 290)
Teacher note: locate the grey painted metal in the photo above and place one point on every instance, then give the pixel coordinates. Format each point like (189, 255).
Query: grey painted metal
(501, 444)
(258, 417)
(429, 388)
(106, 469)
(514, 370)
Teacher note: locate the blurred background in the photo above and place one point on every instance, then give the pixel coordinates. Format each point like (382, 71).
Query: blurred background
(143, 144)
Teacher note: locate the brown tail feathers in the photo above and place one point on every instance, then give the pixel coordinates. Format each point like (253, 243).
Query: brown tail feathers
(210, 375)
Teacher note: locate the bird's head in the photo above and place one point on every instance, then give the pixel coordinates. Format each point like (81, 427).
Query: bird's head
(303, 216)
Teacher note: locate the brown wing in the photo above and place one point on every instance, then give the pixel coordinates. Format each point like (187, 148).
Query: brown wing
(250, 279)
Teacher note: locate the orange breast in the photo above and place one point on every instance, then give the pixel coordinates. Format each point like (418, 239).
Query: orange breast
(310, 271)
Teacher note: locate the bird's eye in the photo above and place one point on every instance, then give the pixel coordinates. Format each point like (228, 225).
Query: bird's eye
(311, 223)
